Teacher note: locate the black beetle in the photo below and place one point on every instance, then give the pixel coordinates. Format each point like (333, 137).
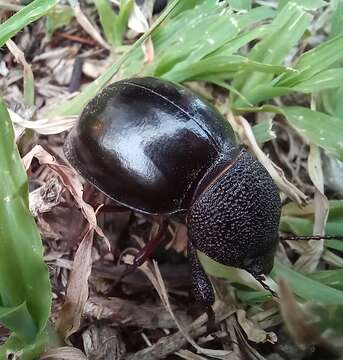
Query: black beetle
(157, 148)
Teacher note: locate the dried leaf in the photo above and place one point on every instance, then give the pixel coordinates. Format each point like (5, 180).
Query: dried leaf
(44, 126)
(253, 332)
(77, 290)
(28, 74)
(71, 181)
(155, 277)
(243, 129)
(309, 260)
(45, 197)
(63, 353)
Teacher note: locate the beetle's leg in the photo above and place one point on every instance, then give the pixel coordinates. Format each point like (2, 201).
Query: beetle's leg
(201, 285)
(145, 253)
(261, 279)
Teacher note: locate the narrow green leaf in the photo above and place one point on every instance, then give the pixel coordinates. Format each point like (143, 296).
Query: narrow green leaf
(24, 277)
(334, 244)
(314, 61)
(108, 18)
(19, 320)
(75, 105)
(24, 17)
(307, 288)
(47, 339)
(317, 128)
(305, 4)
(263, 131)
(285, 31)
(58, 17)
(223, 67)
(336, 18)
(126, 7)
(240, 4)
(326, 79)
(332, 278)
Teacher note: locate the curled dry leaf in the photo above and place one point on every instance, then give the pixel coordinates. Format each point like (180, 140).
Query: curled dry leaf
(42, 126)
(77, 290)
(63, 353)
(243, 129)
(70, 180)
(309, 260)
(253, 332)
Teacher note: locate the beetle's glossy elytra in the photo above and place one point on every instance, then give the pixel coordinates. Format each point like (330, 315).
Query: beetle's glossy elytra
(156, 147)
(147, 143)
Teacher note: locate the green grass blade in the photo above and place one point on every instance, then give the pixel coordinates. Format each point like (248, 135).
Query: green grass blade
(336, 18)
(305, 4)
(107, 17)
(240, 4)
(315, 61)
(58, 17)
(223, 67)
(334, 244)
(332, 278)
(114, 25)
(122, 20)
(317, 128)
(307, 288)
(75, 105)
(24, 17)
(285, 31)
(24, 276)
(263, 131)
(326, 79)
(15, 346)
(19, 320)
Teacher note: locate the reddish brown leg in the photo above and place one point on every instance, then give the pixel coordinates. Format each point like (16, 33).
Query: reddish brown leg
(145, 253)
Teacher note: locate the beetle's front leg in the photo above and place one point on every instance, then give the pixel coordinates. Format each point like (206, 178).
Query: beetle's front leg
(145, 253)
(201, 285)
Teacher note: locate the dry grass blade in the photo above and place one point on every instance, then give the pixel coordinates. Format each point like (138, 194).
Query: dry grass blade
(243, 129)
(253, 332)
(188, 355)
(28, 74)
(88, 27)
(70, 180)
(77, 290)
(44, 126)
(157, 281)
(172, 343)
(309, 260)
(63, 353)
(127, 312)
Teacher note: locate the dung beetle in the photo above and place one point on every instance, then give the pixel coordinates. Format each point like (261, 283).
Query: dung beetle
(157, 148)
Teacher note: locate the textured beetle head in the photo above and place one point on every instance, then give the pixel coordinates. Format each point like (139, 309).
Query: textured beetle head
(235, 220)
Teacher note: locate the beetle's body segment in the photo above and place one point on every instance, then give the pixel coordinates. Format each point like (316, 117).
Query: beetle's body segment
(157, 148)
(147, 143)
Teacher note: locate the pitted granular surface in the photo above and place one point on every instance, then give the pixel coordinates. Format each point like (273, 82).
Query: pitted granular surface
(235, 221)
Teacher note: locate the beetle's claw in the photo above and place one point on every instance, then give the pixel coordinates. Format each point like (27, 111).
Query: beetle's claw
(261, 279)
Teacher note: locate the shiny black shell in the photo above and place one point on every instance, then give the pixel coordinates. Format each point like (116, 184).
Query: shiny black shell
(147, 143)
